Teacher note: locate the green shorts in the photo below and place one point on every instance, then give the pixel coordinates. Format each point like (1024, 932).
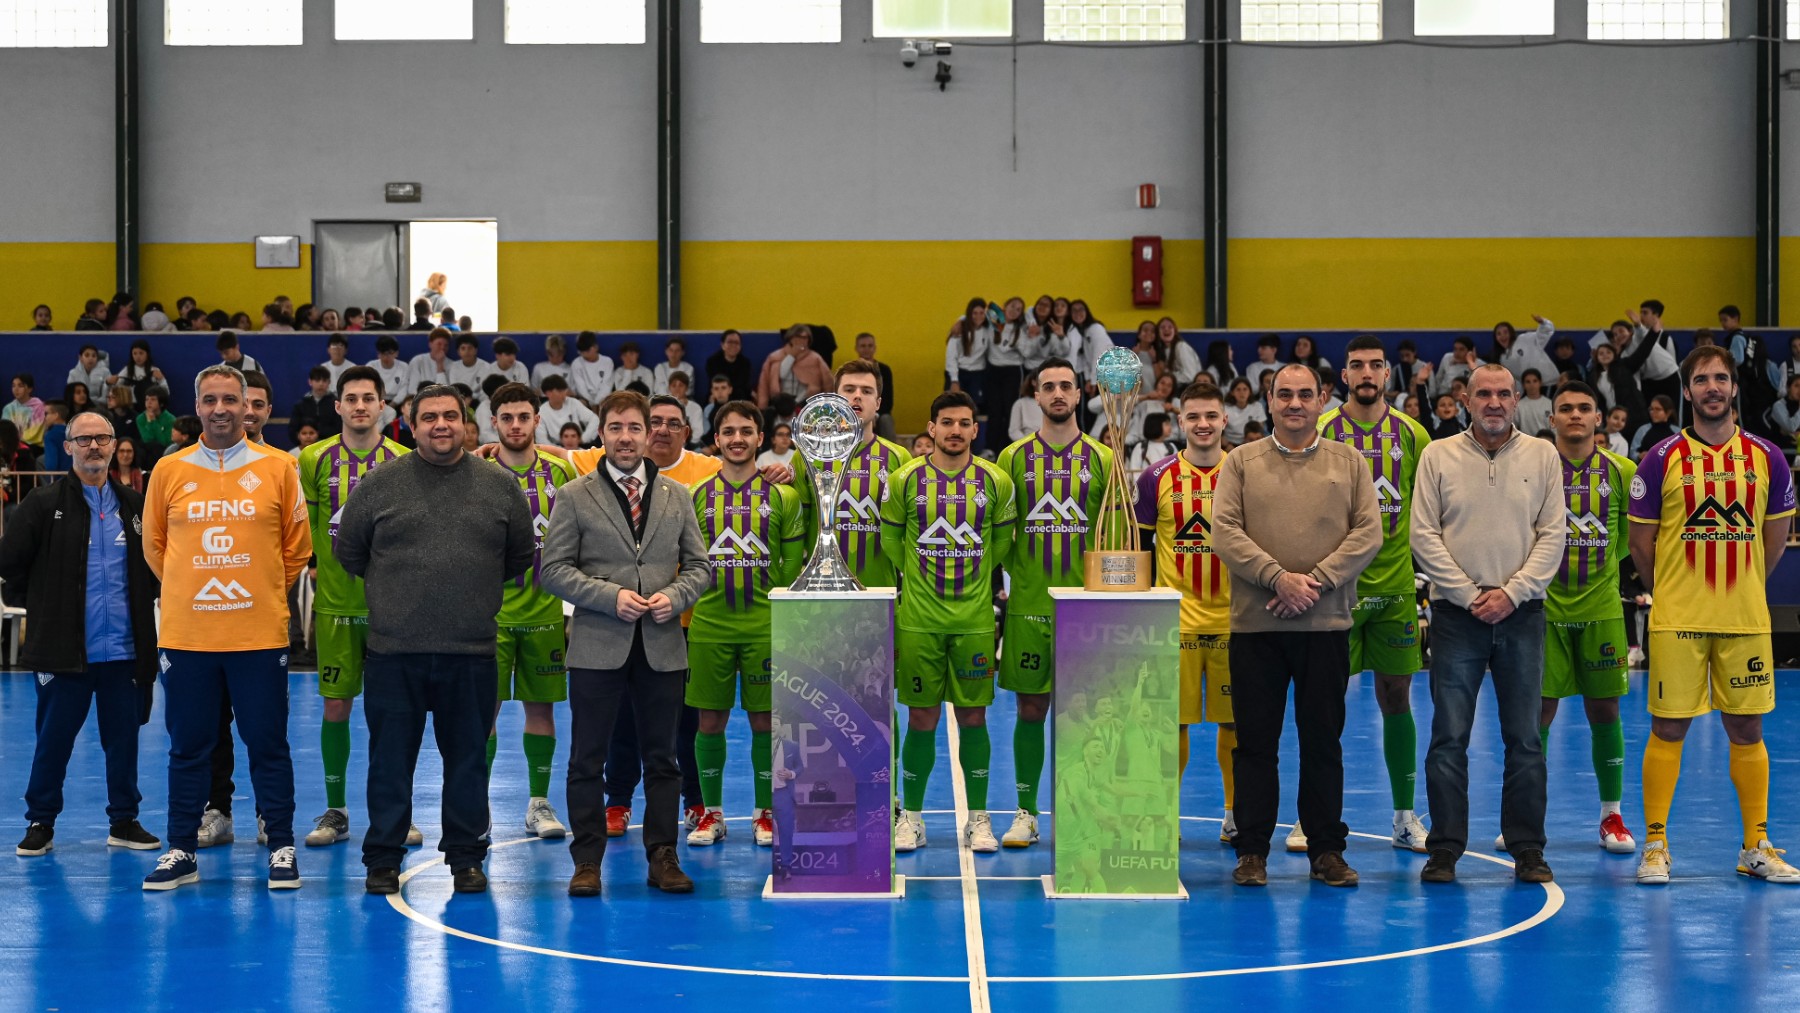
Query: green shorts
(1586, 659)
(715, 671)
(340, 642)
(532, 668)
(1028, 655)
(1384, 635)
(934, 667)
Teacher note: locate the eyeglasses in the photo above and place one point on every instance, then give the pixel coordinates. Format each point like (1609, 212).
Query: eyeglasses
(91, 441)
(667, 424)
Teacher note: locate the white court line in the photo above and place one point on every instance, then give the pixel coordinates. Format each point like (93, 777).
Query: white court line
(971, 893)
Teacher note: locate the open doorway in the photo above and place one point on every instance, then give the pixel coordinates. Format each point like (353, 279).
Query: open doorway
(387, 263)
(467, 255)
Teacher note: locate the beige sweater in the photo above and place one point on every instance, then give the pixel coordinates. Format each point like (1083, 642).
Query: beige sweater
(1483, 520)
(1312, 512)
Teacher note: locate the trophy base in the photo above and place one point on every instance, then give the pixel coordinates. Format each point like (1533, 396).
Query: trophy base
(1117, 571)
(826, 571)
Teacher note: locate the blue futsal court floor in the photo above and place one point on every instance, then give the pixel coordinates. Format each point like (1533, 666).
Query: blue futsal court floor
(973, 931)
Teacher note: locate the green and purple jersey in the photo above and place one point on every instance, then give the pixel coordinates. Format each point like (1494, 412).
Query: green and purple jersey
(1392, 447)
(946, 535)
(1058, 494)
(859, 508)
(522, 602)
(329, 472)
(756, 540)
(1586, 587)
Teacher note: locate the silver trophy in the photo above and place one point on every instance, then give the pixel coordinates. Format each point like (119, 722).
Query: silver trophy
(827, 431)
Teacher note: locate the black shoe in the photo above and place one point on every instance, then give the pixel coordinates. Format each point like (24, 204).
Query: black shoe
(586, 881)
(1530, 867)
(1439, 868)
(470, 880)
(37, 841)
(1331, 869)
(131, 834)
(382, 881)
(665, 871)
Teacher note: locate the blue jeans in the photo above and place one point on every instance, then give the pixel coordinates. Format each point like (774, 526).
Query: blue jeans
(62, 708)
(1463, 648)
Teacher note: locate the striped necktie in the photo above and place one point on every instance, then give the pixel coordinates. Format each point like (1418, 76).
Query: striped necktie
(631, 496)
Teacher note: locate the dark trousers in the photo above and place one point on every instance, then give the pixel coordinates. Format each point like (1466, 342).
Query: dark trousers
(1262, 666)
(595, 696)
(1463, 649)
(625, 765)
(62, 708)
(1003, 385)
(224, 760)
(193, 684)
(458, 691)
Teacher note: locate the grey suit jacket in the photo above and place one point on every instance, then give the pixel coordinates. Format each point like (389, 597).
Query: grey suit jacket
(590, 554)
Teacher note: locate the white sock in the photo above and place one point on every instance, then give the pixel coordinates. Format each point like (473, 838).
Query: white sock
(1402, 815)
(1609, 809)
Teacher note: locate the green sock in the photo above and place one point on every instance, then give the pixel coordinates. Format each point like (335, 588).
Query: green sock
(1544, 737)
(334, 743)
(1609, 759)
(538, 751)
(975, 753)
(709, 753)
(1400, 745)
(1028, 757)
(918, 754)
(493, 746)
(761, 762)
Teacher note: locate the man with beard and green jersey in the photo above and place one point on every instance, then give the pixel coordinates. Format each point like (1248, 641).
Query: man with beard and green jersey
(865, 479)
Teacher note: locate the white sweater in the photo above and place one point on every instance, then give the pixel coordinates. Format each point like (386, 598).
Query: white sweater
(975, 359)
(551, 420)
(590, 381)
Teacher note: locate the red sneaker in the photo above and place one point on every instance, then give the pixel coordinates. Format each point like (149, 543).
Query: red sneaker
(617, 818)
(692, 815)
(1614, 837)
(711, 829)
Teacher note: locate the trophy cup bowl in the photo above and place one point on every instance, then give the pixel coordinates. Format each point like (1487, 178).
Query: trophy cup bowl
(827, 431)
(1114, 562)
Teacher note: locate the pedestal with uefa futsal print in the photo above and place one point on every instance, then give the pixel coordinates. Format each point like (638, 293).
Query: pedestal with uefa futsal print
(832, 691)
(1118, 644)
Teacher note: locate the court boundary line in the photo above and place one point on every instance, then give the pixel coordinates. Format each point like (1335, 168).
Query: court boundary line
(979, 1001)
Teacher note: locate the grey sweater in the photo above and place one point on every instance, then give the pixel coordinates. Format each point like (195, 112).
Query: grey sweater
(435, 544)
(1489, 520)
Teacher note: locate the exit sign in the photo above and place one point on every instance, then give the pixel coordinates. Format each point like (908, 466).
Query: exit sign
(404, 193)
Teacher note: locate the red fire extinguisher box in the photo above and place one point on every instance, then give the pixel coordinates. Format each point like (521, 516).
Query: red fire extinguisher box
(1146, 271)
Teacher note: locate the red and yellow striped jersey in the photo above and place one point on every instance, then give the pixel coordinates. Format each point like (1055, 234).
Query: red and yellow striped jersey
(1175, 504)
(1709, 504)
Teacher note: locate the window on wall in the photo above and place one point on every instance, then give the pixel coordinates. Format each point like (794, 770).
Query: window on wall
(232, 23)
(1484, 17)
(957, 19)
(771, 20)
(52, 24)
(1793, 19)
(1668, 20)
(575, 22)
(1114, 21)
(1311, 22)
(404, 20)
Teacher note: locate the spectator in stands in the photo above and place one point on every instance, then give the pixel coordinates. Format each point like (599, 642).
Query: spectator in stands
(555, 361)
(186, 431)
(1145, 347)
(15, 457)
(141, 373)
(675, 352)
(1328, 382)
(1408, 377)
(1006, 356)
(1612, 380)
(631, 370)
(1660, 427)
(1703, 337)
(287, 308)
(571, 436)
(1613, 433)
(337, 350)
(470, 369)
(1025, 417)
(1159, 399)
(465, 323)
(721, 395)
(1456, 364)
(332, 321)
(447, 320)
(1219, 365)
(196, 320)
(91, 370)
(306, 317)
(781, 409)
(121, 313)
(155, 426)
(432, 295)
(794, 369)
(127, 468)
(1651, 354)
(1268, 360)
(56, 430)
(40, 318)
(26, 410)
(559, 410)
(421, 317)
(1784, 416)
(1444, 422)
(392, 319)
(305, 435)
(590, 375)
(240, 321)
(884, 420)
(781, 448)
(122, 410)
(353, 319)
(1052, 337)
(731, 362)
(319, 406)
(965, 351)
(1154, 443)
(394, 373)
(507, 364)
(232, 355)
(1174, 355)
(1789, 367)
(1519, 354)
(79, 400)
(431, 367)
(93, 316)
(275, 321)
(483, 412)
(154, 319)
(1534, 407)
(1254, 431)
(1306, 350)
(1758, 376)
(1241, 408)
(696, 419)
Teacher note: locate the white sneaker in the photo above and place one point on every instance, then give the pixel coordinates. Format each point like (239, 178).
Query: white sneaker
(909, 832)
(1409, 832)
(1023, 833)
(1614, 837)
(1764, 862)
(979, 833)
(215, 829)
(331, 828)
(764, 827)
(709, 831)
(1228, 828)
(1653, 869)
(540, 819)
(1296, 838)
(413, 837)
(1634, 658)
(1500, 843)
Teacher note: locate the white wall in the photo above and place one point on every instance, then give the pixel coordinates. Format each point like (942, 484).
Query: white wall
(56, 145)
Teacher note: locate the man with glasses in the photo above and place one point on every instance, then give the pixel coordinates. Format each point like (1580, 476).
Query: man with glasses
(1489, 532)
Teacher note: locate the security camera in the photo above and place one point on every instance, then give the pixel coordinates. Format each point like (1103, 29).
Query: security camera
(943, 75)
(909, 53)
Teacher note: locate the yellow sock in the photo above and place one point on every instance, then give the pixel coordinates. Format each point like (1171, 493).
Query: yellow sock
(1184, 749)
(1750, 775)
(1227, 742)
(1662, 768)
